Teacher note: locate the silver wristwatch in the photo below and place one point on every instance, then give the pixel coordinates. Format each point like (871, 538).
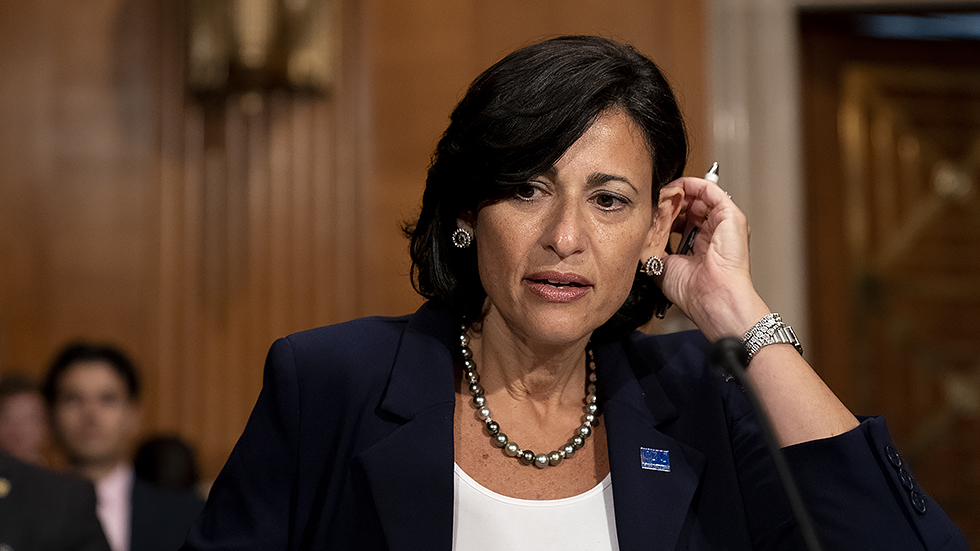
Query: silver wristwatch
(770, 330)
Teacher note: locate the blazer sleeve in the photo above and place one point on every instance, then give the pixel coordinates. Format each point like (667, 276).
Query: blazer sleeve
(251, 502)
(862, 495)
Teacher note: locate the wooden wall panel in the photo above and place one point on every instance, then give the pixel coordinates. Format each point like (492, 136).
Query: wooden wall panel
(75, 177)
(259, 225)
(194, 234)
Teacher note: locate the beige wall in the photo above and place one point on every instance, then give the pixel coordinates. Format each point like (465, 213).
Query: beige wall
(193, 235)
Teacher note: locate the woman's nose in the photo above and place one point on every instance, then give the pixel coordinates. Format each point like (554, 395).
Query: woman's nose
(566, 233)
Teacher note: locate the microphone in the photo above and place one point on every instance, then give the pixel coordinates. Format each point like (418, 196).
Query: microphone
(730, 356)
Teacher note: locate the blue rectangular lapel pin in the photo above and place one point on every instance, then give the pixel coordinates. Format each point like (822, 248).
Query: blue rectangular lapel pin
(655, 460)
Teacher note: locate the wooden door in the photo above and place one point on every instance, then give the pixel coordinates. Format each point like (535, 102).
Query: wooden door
(892, 150)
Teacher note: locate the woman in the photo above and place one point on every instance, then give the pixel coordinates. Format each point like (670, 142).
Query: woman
(541, 246)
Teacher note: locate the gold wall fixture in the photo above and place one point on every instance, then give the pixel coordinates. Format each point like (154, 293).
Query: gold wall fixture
(953, 181)
(246, 46)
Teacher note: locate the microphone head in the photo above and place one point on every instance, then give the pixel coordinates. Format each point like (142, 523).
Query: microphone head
(729, 353)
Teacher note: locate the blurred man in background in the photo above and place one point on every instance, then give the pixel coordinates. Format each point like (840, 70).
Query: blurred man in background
(23, 419)
(93, 394)
(169, 461)
(41, 510)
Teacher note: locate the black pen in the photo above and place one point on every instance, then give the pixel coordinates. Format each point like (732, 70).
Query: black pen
(687, 243)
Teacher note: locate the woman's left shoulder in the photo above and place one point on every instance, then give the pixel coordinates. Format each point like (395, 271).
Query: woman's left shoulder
(681, 365)
(683, 352)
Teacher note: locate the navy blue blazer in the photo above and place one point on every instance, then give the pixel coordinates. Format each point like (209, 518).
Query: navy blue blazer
(350, 446)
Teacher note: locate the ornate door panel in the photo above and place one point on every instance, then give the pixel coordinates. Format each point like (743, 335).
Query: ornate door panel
(893, 151)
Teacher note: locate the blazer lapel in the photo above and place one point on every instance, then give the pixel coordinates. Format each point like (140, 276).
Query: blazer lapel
(652, 490)
(410, 472)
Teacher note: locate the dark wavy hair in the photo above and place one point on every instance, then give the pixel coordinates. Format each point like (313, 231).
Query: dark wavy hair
(515, 122)
(169, 461)
(78, 352)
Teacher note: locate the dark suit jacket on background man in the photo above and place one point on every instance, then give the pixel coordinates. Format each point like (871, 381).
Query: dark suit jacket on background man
(161, 516)
(41, 510)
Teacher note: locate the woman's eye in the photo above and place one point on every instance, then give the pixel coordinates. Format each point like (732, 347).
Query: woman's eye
(525, 191)
(609, 202)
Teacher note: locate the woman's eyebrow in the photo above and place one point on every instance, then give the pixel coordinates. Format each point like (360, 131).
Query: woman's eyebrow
(598, 178)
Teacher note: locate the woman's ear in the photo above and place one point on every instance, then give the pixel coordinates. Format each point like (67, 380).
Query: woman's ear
(464, 223)
(668, 207)
(466, 220)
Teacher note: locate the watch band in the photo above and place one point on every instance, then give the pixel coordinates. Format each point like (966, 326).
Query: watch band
(770, 330)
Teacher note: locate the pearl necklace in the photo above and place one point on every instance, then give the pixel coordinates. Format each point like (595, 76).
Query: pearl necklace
(499, 439)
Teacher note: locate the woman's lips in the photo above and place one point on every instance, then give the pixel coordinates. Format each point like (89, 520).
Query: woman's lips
(557, 286)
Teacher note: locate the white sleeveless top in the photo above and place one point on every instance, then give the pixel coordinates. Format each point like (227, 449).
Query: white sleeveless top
(487, 521)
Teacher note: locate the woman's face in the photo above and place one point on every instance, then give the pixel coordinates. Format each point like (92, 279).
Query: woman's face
(557, 258)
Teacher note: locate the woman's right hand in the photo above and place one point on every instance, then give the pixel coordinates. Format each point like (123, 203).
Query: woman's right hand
(712, 285)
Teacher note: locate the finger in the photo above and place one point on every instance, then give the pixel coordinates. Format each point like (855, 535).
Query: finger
(683, 222)
(702, 197)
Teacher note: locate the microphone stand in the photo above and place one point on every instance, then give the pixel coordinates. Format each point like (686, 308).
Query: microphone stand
(730, 355)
